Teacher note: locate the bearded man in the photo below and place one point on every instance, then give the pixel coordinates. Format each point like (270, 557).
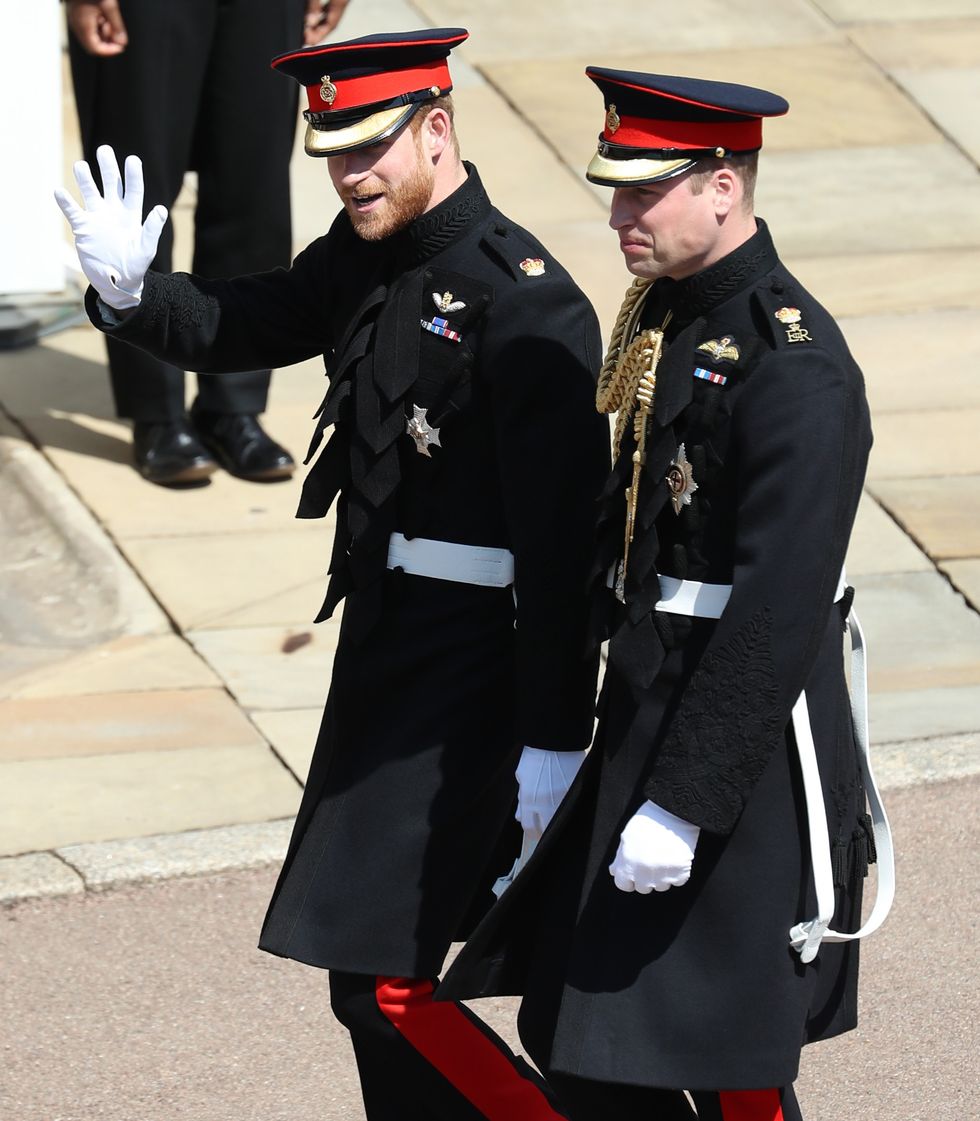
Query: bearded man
(466, 458)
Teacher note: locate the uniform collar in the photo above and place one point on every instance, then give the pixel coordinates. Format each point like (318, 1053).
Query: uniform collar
(435, 230)
(699, 294)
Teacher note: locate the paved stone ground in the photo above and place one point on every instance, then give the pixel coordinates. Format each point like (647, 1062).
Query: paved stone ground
(160, 682)
(153, 1002)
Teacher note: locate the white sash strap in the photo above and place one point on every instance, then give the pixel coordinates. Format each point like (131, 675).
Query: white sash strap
(708, 601)
(447, 560)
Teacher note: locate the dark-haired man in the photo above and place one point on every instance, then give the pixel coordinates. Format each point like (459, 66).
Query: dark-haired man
(671, 932)
(465, 460)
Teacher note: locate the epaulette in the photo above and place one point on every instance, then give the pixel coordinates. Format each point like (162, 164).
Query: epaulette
(511, 248)
(781, 314)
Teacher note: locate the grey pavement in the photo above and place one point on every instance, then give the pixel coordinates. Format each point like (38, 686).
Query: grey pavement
(153, 1002)
(160, 679)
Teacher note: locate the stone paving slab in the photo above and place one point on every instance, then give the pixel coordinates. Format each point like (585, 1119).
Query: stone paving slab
(38, 875)
(562, 28)
(66, 372)
(49, 803)
(131, 663)
(870, 200)
(890, 282)
(965, 575)
(913, 362)
(921, 44)
(292, 735)
(272, 667)
(921, 634)
(879, 545)
(950, 97)
(923, 714)
(893, 11)
(94, 456)
(924, 444)
(122, 723)
(838, 98)
(112, 864)
(239, 579)
(943, 514)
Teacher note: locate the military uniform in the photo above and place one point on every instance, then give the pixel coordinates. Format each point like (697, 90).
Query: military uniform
(755, 452)
(462, 361)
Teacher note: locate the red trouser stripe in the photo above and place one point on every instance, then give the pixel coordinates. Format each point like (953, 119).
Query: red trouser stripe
(456, 1047)
(750, 1105)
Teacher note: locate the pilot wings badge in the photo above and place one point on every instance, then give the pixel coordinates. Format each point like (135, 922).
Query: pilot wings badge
(721, 350)
(445, 302)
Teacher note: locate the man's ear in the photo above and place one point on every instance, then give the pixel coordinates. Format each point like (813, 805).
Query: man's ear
(437, 130)
(726, 189)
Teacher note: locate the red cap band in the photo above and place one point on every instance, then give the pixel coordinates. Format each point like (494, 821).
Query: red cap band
(641, 132)
(351, 93)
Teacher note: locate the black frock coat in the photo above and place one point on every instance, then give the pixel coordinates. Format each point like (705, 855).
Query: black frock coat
(408, 808)
(697, 987)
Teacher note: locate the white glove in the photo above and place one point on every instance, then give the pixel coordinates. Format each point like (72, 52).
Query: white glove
(114, 245)
(655, 852)
(543, 779)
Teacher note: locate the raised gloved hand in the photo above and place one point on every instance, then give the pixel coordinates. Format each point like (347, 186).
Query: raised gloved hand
(656, 849)
(543, 779)
(114, 245)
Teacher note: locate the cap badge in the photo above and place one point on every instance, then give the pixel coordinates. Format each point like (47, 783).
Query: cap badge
(680, 480)
(445, 303)
(723, 349)
(533, 266)
(612, 120)
(328, 91)
(421, 431)
(790, 318)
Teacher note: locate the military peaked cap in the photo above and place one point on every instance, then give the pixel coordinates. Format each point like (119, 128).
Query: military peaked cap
(364, 90)
(657, 125)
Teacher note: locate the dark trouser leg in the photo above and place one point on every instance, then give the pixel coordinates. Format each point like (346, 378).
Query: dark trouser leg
(419, 1060)
(586, 1100)
(748, 1105)
(242, 221)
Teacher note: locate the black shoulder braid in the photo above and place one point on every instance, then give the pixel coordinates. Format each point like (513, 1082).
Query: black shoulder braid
(724, 733)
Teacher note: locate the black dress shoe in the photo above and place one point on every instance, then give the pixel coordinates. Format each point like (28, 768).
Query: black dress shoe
(169, 452)
(242, 446)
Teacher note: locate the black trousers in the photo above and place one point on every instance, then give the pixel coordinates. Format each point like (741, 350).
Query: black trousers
(587, 1100)
(419, 1060)
(193, 91)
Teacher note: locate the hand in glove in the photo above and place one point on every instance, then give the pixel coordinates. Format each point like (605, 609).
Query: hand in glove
(114, 245)
(655, 852)
(543, 779)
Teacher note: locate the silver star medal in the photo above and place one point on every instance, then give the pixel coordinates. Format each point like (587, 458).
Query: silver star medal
(421, 431)
(680, 480)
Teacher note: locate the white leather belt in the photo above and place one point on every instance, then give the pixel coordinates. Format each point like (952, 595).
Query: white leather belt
(708, 601)
(447, 560)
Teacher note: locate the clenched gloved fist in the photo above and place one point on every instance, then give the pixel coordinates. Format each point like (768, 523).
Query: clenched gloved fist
(543, 779)
(656, 850)
(114, 245)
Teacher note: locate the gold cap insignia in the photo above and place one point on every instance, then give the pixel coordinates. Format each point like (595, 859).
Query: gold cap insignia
(533, 266)
(612, 120)
(723, 348)
(788, 315)
(328, 91)
(680, 480)
(445, 302)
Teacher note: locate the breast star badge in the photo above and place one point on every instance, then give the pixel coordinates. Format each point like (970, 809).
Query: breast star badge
(723, 349)
(533, 266)
(680, 480)
(790, 318)
(445, 302)
(421, 431)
